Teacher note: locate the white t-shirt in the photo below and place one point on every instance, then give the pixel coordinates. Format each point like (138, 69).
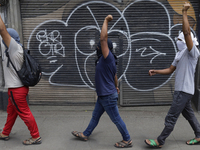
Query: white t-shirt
(16, 55)
(185, 71)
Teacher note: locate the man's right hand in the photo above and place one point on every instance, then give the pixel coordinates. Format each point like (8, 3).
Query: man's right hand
(109, 18)
(152, 72)
(186, 6)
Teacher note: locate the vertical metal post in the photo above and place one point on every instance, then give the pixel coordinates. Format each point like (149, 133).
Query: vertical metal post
(120, 67)
(121, 93)
(3, 99)
(196, 97)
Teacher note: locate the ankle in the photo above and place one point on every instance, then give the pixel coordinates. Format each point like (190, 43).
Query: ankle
(83, 134)
(198, 139)
(3, 135)
(125, 141)
(157, 142)
(35, 138)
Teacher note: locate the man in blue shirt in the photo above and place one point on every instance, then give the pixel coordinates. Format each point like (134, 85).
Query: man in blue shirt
(107, 90)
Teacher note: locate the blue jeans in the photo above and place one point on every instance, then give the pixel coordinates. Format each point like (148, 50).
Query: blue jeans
(108, 104)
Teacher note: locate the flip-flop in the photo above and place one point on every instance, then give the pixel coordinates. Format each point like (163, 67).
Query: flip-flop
(122, 144)
(193, 142)
(153, 143)
(6, 138)
(31, 142)
(79, 135)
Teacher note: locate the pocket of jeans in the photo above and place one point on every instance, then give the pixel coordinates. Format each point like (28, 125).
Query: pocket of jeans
(177, 97)
(113, 98)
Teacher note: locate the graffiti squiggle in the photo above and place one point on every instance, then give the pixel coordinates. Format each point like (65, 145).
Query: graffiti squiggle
(53, 40)
(156, 53)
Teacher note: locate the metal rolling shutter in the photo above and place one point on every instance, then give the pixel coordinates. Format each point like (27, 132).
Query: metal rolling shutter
(65, 87)
(62, 36)
(155, 24)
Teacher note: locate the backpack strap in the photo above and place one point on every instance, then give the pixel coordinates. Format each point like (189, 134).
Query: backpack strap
(7, 55)
(9, 60)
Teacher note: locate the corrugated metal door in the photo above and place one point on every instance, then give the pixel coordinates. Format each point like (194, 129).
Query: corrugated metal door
(154, 26)
(62, 36)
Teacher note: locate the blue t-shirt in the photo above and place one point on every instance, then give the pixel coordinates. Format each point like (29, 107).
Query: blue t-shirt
(105, 75)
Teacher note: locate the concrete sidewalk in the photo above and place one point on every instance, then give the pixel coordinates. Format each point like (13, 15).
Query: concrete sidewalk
(56, 123)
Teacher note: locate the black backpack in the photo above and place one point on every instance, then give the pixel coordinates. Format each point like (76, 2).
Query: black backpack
(30, 72)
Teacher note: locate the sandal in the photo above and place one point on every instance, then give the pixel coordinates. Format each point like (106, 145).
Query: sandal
(31, 142)
(122, 144)
(153, 144)
(79, 135)
(6, 138)
(193, 142)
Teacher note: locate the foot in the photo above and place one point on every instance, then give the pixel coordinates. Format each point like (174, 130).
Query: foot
(4, 137)
(193, 141)
(80, 135)
(124, 144)
(32, 141)
(152, 143)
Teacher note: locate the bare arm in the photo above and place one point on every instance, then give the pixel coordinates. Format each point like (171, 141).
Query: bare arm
(116, 83)
(186, 27)
(104, 36)
(4, 34)
(163, 71)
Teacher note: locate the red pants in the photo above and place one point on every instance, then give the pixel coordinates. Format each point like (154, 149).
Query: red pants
(17, 105)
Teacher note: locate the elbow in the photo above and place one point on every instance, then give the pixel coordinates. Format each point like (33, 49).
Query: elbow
(2, 29)
(103, 37)
(171, 71)
(186, 32)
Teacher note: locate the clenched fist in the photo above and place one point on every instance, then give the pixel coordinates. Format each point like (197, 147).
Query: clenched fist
(152, 72)
(109, 18)
(186, 6)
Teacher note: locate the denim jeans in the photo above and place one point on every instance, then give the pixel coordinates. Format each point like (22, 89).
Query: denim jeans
(181, 104)
(108, 104)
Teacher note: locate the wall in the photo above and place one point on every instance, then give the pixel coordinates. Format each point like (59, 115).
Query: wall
(62, 36)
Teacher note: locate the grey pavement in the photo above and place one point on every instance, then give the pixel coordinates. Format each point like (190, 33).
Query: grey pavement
(56, 123)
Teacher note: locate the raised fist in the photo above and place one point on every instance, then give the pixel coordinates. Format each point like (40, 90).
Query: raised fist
(109, 18)
(186, 6)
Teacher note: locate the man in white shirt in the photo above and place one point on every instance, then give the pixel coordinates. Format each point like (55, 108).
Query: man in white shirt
(184, 64)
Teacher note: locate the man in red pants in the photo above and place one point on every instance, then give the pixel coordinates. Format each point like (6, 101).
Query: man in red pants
(17, 92)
